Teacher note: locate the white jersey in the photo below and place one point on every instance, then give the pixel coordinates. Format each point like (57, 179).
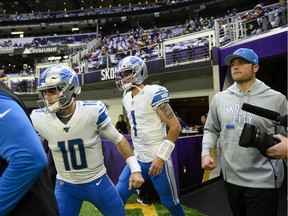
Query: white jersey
(147, 129)
(75, 146)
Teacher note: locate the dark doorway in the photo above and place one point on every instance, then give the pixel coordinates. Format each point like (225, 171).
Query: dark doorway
(190, 109)
(273, 72)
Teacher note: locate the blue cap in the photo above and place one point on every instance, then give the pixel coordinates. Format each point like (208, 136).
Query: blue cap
(245, 53)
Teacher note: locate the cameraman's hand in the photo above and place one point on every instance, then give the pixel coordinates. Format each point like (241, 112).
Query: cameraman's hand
(208, 163)
(279, 150)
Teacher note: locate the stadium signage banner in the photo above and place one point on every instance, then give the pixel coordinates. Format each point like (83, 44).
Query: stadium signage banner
(38, 50)
(108, 74)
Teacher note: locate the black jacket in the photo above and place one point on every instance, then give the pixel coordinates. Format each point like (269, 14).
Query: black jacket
(122, 127)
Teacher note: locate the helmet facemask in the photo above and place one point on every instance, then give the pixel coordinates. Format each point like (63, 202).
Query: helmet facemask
(65, 82)
(139, 73)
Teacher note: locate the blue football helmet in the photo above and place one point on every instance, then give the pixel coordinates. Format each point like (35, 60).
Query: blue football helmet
(139, 72)
(62, 78)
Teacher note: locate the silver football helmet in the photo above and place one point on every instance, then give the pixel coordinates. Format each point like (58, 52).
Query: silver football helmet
(62, 78)
(138, 70)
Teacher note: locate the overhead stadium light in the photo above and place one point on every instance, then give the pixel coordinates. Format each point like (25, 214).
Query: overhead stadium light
(17, 32)
(156, 14)
(75, 29)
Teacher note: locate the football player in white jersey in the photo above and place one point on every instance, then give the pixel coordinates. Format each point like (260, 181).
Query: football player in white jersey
(72, 129)
(149, 113)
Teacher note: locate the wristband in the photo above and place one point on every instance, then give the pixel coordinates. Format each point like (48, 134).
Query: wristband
(133, 164)
(165, 150)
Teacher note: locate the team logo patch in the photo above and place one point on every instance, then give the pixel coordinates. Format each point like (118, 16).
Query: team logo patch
(230, 127)
(66, 129)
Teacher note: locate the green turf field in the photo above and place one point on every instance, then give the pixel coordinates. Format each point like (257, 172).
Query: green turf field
(133, 208)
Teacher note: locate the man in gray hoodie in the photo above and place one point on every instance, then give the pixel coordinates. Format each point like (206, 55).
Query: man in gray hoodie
(251, 179)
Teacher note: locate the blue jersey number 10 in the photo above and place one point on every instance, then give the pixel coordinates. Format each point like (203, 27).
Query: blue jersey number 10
(73, 158)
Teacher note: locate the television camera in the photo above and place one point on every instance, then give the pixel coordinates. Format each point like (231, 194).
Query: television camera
(253, 136)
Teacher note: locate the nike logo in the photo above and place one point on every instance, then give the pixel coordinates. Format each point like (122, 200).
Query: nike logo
(98, 183)
(54, 77)
(3, 114)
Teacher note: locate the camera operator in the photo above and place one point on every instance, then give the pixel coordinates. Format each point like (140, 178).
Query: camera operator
(252, 181)
(280, 150)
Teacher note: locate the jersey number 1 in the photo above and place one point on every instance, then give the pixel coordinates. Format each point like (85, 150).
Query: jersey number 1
(134, 122)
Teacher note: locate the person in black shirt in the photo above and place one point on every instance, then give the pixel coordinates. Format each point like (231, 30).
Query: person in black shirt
(251, 23)
(121, 125)
(201, 126)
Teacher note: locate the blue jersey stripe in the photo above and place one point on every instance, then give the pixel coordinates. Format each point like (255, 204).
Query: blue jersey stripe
(160, 96)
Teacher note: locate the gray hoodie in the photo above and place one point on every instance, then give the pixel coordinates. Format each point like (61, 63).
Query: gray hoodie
(244, 166)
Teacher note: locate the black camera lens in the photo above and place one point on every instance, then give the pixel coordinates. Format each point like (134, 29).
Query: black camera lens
(252, 136)
(248, 136)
